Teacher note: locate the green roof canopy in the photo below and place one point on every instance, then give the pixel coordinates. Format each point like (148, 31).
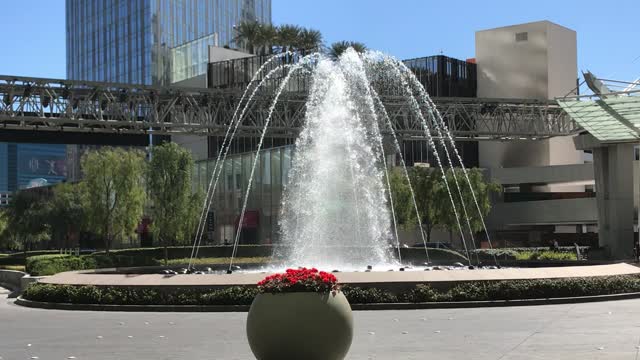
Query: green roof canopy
(609, 119)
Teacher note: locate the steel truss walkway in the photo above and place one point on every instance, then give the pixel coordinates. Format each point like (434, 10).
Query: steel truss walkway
(80, 106)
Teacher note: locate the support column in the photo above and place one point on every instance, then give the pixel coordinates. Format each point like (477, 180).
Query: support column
(613, 170)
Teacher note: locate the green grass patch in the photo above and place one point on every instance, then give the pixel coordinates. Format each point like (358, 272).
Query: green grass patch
(13, 267)
(545, 255)
(531, 253)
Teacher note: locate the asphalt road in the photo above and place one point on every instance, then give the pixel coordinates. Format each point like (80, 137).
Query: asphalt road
(606, 330)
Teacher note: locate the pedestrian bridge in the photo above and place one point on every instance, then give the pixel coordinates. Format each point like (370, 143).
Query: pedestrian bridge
(93, 107)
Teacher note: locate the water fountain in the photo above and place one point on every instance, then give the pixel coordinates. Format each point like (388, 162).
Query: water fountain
(337, 210)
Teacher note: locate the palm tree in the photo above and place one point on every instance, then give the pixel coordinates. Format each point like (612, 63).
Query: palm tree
(309, 40)
(288, 36)
(337, 48)
(267, 36)
(248, 34)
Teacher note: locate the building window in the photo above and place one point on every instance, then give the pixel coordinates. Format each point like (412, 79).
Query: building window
(522, 36)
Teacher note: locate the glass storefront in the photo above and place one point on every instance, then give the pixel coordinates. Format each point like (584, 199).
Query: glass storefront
(260, 224)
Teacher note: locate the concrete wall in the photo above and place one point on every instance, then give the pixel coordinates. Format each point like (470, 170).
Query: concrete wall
(513, 69)
(571, 173)
(562, 60)
(543, 66)
(566, 211)
(221, 54)
(11, 279)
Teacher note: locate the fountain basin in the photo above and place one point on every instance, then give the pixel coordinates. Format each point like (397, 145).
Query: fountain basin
(395, 281)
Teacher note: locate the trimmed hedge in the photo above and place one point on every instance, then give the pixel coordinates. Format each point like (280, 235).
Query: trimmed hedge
(531, 253)
(44, 265)
(134, 296)
(472, 291)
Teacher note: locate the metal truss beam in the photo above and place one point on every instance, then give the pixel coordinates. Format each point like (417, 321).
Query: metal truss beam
(80, 106)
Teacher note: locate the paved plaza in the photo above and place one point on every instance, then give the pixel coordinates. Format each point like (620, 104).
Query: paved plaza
(606, 330)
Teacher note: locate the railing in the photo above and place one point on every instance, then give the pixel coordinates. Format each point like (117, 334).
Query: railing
(441, 76)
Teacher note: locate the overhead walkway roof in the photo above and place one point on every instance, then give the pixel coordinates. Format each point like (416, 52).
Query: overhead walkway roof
(611, 118)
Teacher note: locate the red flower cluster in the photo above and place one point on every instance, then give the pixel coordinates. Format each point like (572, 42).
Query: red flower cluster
(299, 280)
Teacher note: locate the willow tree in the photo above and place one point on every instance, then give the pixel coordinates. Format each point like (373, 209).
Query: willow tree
(173, 206)
(66, 214)
(428, 196)
(114, 201)
(26, 219)
(481, 189)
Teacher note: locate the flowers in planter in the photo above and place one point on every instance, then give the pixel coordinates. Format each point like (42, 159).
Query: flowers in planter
(299, 280)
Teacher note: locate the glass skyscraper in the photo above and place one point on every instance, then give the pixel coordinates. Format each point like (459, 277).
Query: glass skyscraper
(151, 42)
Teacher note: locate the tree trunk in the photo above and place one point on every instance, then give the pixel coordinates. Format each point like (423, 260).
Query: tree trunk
(166, 254)
(24, 246)
(428, 231)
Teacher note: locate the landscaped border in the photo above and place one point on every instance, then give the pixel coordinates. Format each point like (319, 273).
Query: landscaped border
(357, 307)
(422, 296)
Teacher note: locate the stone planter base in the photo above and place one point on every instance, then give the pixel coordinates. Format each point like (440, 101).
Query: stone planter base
(307, 326)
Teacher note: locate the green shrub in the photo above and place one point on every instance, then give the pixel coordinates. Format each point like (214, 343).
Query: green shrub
(531, 253)
(230, 296)
(237, 295)
(545, 255)
(421, 293)
(44, 265)
(357, 295)
(52, 264)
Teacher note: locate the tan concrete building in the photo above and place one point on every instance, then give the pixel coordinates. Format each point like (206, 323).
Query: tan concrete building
(536, 61)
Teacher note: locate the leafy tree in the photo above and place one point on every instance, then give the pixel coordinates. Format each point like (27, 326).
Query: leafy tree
(248, 34)
(66, 212)
(309, 40)
(26, 217)
(169, 187)
(433, 202)
(337, 48)
(288, 36)
(114, 191)
(445, 214)
(6, 235)
(267, 36)
(427, 192)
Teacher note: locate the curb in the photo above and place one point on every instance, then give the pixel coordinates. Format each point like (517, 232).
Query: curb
(358, 307)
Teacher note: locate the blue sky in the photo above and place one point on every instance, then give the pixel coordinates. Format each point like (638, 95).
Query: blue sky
(608, 34)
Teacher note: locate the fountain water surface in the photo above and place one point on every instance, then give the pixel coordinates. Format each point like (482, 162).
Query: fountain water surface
(335, 212)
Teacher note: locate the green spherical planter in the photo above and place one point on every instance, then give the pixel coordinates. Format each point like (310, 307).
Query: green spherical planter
(300, 325)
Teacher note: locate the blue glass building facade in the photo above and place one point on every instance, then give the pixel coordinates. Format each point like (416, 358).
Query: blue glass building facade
(139, 41)
(28, 165)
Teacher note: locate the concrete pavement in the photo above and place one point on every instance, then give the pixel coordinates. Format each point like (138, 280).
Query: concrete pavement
(605, 330)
